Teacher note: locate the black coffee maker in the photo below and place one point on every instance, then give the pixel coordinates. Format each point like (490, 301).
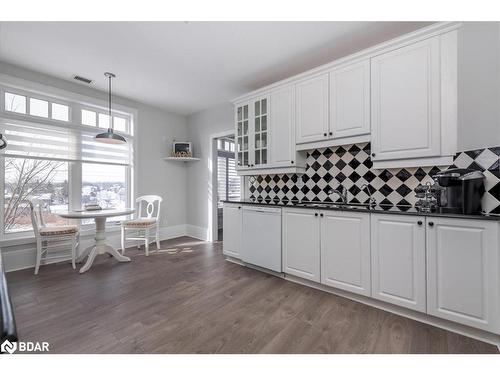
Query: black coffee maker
(460, 191)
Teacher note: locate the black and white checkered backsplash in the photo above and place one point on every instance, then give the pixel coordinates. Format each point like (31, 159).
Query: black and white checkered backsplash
(351, 166)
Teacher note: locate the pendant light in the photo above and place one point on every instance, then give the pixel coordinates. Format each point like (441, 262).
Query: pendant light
(110, 137)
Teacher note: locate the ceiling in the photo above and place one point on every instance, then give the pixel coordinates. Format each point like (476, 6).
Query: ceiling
(184, 67)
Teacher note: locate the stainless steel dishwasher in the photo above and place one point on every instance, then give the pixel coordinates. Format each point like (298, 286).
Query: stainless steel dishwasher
(261, 237)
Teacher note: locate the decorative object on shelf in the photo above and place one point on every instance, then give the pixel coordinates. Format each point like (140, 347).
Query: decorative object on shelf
(92, 207)
(109, 136)
(182, 150)
(3, 142)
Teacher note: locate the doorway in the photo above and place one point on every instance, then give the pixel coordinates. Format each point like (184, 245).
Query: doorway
(228, 182)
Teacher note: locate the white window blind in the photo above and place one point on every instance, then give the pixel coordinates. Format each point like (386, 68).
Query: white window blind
(36, 140)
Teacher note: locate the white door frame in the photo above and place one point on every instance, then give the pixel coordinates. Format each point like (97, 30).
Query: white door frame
(212, 193)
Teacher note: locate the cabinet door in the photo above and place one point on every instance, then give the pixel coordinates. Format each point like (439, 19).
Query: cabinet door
(406, 102)
(232, 230)
(345, 251)
(350, 100)
(463, 271)
(398, 260)
(282, 129)
(301, 241)
(242, 119)
(311, 107)
(259, 131)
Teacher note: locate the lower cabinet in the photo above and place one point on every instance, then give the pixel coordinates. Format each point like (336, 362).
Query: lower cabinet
(398, 260)
(463, 272)
(232, 230)
(345, 251)
(301, 243)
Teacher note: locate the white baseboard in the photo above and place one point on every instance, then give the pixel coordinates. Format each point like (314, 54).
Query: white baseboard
(197, 232)
(23, 256)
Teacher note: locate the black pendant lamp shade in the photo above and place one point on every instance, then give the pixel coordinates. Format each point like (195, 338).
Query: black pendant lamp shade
(110, 137)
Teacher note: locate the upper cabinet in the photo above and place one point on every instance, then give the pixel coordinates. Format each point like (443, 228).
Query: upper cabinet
(405, 102)
(312, 109)
(400, 95)
(350, 100)
(265, 133)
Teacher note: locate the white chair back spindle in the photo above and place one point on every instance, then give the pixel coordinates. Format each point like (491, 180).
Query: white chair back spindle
(152, 206)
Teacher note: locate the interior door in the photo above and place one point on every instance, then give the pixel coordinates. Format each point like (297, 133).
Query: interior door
(345, 251)
(312, 109)
(463, 271)
(301, 243)
(350, 100)
(406, 102)
(398, 260)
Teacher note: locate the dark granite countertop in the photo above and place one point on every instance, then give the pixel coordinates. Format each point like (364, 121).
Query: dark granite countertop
(382, 209)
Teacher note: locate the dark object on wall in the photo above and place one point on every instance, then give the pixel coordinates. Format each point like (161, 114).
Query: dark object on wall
(7, 321)
(462, 190)
(3, 142)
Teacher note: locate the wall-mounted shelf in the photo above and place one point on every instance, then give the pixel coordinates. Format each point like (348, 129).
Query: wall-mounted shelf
(181, 158)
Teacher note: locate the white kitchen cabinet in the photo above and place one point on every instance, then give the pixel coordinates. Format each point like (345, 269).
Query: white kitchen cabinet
(345, 251)
(232, 230)
(350, 100)
(463, 275)
(282, 131)
(405, 98)
(311, 109)
(242, 135)
(398, 260)
(301, 243)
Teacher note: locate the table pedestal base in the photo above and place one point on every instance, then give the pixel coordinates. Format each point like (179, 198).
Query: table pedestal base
(100, 246)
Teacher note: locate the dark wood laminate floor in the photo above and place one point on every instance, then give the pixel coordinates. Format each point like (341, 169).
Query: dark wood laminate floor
(188, 299)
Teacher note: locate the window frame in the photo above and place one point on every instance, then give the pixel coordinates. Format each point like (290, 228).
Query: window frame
(75, 102)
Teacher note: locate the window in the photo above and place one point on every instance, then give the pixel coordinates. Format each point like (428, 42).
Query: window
(60, 112)
(59, 163)
(15, 103)
(39, 108)
(32, 178)
(229, 184)
(105, 185)
(89, 118)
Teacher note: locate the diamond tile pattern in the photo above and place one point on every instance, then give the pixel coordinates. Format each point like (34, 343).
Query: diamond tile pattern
(351, 167)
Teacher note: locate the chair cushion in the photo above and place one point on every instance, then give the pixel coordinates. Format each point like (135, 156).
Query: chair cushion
(59, 230)
(139, 223)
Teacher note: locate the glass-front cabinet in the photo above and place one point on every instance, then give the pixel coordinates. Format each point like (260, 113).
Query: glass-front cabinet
(252, 124)
(242, 135)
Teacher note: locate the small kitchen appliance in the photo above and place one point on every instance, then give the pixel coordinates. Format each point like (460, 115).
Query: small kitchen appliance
(460, 190)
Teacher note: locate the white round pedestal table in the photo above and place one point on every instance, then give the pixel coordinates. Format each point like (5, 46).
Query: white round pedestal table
(100, 247)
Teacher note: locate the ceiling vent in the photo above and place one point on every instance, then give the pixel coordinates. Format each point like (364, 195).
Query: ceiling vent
(82, 79)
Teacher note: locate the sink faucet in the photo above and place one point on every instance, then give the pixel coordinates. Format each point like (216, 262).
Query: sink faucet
(372, 201)
(341, 192)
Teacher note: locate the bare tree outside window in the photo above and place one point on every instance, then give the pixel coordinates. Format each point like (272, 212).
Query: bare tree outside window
(29, 178)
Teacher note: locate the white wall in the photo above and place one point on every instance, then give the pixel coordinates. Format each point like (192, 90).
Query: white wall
(201, 126)
(156, 131)
(478, 85)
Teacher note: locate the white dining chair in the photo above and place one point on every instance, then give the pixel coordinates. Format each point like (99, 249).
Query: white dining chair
(52, 237)
(148, 220)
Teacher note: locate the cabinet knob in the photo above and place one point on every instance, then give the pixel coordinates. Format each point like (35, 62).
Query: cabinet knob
(324, 134)
(316, 214)
(419, 222)
(373, 154)
(431, 224)
(321, 215)
(239, 207)
(331, 133)
(291, 161)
